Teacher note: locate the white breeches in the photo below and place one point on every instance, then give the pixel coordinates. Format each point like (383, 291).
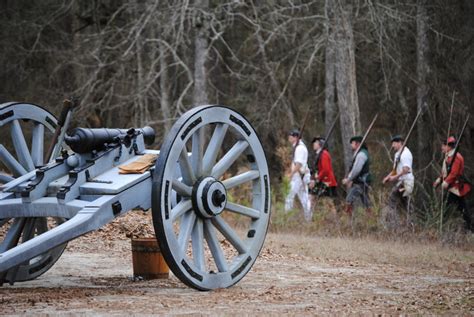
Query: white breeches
(297, 187)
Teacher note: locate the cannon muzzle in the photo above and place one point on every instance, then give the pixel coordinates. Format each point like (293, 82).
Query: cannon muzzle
(83, 140)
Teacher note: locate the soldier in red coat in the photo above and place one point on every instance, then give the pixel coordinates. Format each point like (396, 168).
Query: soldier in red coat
(452, 180)
(323, 182)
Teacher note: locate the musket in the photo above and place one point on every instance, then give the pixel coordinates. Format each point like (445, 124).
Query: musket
(323, 146)
(304, 124)
(363, 140)
(456, 147)
(63, 123)
(397, 161)
(451, 115)
(328, 135)
(448, 169)
(442, 177)
(301, 131)
(326, 138)
(364, 137)
(449, 133)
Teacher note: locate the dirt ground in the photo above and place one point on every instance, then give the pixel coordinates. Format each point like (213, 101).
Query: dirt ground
(295, 275)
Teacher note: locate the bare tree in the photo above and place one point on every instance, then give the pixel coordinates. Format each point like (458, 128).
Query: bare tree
(146, 62)
(164, 88)
(201, 49)
(346, 84)
(330, 107)
(141, 105)
(422, 90)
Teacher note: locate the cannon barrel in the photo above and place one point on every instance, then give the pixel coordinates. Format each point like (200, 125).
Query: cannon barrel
(83, 140)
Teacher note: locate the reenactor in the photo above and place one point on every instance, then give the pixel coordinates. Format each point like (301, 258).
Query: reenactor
(452, 180)
(323, 182)
(358, 180)
(299, 175)
(402, 178)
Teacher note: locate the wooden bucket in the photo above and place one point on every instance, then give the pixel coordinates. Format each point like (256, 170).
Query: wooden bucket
(148, 262)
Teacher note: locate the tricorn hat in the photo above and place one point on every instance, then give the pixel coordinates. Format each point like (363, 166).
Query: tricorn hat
(294, 132)
(318, 138)
(397, 138)
(451, 141)
(357, 138)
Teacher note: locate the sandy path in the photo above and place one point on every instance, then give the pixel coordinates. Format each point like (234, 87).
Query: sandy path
(294, 275)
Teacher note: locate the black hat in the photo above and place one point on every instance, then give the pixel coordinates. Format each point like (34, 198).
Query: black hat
(318, 138)
(294, 132)
(357, 138)
(397, 138)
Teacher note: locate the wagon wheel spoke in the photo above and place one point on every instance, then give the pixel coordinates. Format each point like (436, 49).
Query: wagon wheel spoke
(185, 166)
(240, 179)
(5, 178)
(180, 209)
(11, 163)
(197, 151)
(229, 158)
(188, 215)
(25, 157)
(21, 148)
(22, 229)
(13, 235)
(41, 225)
(197, 241)
(37, 144)
(29, 229)
(27, 234)
(59, 221)
(214, 246)
(3, 221)
(181, 188)
(214, 146)
(243, 210)
(13, 272)
(187, 224)
(229, 234)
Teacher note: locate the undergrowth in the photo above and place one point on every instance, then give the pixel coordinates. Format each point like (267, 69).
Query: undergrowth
(424, 225)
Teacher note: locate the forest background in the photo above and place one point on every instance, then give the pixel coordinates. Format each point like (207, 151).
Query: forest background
(145, 62)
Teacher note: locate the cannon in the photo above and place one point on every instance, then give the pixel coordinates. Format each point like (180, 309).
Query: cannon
(84, 140)
(208, 191)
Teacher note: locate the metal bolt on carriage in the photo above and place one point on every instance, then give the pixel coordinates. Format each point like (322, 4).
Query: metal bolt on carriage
(209, 235)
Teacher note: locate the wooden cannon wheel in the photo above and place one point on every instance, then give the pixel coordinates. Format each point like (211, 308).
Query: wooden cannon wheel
(211, 197)
(29, 126)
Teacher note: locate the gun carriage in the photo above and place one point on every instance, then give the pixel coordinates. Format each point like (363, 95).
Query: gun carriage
(209, 152)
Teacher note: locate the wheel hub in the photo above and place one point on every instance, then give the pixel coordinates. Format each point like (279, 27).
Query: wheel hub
(209, 197)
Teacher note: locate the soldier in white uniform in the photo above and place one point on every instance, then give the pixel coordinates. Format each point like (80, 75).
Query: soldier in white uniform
(403, 179)
(299, 175)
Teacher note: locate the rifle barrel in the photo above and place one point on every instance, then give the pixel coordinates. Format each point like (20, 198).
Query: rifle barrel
(407, 137)
(326, 138)
(365, 136)
(304, 123)
(328, 135)
(456, 147)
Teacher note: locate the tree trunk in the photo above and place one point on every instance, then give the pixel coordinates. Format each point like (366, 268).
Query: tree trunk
(141, 101)
(330, 107)
(141, 110)
(201, 48)
(164, 88)
(400, 87)
(422, 70)
(346, 84)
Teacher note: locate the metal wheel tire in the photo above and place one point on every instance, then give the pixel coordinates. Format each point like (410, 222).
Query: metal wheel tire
(25, 156)
(211, 197)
